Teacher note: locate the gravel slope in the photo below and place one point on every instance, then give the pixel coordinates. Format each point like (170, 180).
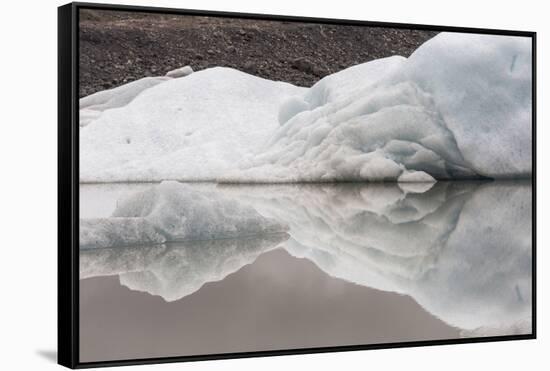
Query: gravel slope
(117, 47)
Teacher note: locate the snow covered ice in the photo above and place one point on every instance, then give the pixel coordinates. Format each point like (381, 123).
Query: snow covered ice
(193, 128)
(92, 106)
(458, 107)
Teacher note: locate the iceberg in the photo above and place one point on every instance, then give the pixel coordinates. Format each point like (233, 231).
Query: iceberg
(170, 212)
(459, 107)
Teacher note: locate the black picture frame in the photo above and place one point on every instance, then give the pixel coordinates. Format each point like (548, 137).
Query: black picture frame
(68, 179)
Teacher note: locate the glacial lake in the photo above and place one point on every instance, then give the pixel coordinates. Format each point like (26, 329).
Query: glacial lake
(357, 264)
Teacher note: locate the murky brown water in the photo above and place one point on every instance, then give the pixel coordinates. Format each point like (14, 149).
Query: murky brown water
(359, 264)
(277, 302)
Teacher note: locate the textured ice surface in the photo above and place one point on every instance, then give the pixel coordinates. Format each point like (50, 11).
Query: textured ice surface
(458, 107)
(376, 136)
(481, 86)
(462, 250)
(172, 211)
(193, 128)
(93, 105)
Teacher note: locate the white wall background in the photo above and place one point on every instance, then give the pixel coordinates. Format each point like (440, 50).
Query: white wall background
(28, 188)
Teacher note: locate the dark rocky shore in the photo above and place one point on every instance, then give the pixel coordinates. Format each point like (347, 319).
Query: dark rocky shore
(118, 47)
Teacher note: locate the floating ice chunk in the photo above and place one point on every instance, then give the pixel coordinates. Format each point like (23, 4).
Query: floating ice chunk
(180, 72)
(458, 108)
(172, 211)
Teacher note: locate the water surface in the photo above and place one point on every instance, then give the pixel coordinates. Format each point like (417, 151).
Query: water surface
(360, 264)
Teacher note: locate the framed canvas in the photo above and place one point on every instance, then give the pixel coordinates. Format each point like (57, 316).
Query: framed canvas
(242, 185)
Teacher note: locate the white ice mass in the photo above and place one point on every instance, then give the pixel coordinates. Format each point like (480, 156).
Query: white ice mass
(92, 106)
(458, 107)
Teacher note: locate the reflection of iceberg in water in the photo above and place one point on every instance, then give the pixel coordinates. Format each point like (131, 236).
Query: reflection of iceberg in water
(461, 250)
(179, 269)
(170, 212)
